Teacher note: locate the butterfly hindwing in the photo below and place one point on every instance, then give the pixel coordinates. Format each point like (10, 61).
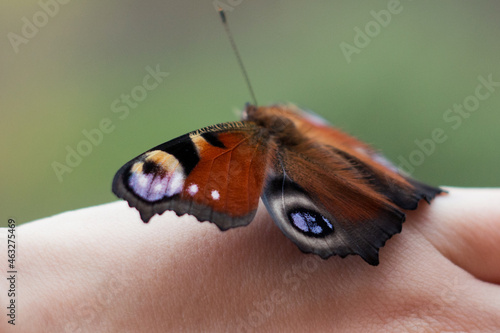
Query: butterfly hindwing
(215, 174)
(327, 214)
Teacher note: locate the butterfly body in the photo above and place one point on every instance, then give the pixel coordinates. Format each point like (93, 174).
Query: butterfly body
(328, 192)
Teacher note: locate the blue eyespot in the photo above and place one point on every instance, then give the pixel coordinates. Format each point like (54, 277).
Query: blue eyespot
(310, 223)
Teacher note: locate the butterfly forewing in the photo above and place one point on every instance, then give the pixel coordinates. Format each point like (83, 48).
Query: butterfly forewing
(215, 174)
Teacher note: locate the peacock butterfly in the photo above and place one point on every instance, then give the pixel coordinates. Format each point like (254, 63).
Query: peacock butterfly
(328, 192)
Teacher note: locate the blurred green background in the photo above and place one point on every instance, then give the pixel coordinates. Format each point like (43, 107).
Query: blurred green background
(66, 76)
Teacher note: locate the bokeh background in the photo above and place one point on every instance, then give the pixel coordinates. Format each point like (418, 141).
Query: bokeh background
(66, 76)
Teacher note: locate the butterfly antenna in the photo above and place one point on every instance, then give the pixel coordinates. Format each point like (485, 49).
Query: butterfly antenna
(238, 57)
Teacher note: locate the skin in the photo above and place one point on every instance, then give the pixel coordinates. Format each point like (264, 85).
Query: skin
(101, 269)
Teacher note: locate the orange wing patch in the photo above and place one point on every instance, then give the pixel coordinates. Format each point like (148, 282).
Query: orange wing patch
(228, 180)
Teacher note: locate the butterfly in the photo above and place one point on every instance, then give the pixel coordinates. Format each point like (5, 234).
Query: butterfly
(328, 192)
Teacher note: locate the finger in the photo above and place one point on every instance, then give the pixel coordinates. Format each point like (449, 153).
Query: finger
(464, 225)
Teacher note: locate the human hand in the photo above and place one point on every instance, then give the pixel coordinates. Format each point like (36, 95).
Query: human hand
(102, 269)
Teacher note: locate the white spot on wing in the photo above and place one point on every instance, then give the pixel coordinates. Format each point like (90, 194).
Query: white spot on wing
(193, 189)
(215, 195)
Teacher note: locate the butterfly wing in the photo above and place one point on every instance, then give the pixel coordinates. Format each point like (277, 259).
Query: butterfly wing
(215, 174)
(384, 176)
(332, 195)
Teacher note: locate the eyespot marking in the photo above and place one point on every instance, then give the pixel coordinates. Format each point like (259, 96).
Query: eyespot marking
(157, 176)
(311, 223)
